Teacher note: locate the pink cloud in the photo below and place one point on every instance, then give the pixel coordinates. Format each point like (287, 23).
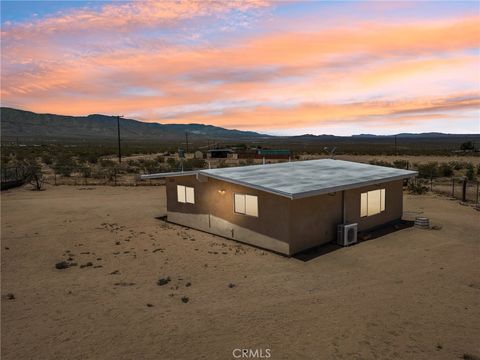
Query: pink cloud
(268, 79)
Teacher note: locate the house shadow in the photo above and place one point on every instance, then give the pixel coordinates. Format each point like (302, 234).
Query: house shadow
(315, 252)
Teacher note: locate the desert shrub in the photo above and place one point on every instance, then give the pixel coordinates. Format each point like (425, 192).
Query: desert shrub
(85, 170)
(107, 163)
(445, 170)
(458, 165)
(192, 164)
(470, 172)
(467, 145)
(92, 158)
(222, 164)
(108, 169)
(173, 164)
(151, 166)
(380, 163)
(33, 173)
(417, 187)
(400, 164)
(428, 170)
(160, 159)
(64, 165)
(47, 159)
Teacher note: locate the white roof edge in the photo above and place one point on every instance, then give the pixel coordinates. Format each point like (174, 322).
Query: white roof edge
(313, 192)
(292, 196)
(246, 184)
(168, 174)
(352, 186)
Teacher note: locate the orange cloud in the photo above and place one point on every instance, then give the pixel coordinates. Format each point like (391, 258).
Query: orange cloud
(307, 115)
(272, 80)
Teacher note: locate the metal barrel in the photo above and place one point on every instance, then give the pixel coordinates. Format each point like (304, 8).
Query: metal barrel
(422, 222)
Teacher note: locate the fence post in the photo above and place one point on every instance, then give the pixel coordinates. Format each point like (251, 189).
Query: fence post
(477, 192)
(453, 187)
(464, 189)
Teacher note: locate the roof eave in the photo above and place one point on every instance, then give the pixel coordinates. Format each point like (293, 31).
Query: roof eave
(168, 174)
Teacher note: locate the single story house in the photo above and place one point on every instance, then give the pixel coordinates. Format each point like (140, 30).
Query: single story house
(285, 207)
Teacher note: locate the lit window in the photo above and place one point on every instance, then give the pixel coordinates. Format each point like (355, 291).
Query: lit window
(246, 204)
(185, 194)
(372, 202)
(190, 195)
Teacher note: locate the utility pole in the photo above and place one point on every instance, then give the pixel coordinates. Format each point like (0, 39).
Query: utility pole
(186, 141)
(118, 134)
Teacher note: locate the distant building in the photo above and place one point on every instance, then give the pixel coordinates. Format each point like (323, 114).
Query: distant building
(219, 153)
(286, 207)
(199, 154)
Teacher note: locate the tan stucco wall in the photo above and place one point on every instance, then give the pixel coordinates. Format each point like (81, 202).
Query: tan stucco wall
(315, 220)
(213, 212)
(393, 205)
(283, 225)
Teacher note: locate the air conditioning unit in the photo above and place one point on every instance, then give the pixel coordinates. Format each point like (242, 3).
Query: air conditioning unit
(347, 234)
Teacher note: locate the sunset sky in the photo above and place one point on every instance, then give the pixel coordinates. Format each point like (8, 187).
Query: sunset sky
(276, 67)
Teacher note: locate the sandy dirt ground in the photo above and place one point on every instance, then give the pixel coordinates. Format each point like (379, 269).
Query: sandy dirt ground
(411, 294)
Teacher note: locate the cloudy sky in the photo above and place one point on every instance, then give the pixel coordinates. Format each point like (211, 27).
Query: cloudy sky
(277, 67)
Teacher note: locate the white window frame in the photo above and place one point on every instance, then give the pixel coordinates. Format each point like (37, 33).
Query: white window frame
(245, 209)
(185, 194)
(364, 202)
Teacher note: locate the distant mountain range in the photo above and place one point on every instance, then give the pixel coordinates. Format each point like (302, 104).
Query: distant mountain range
(33, 126)
(37, 127)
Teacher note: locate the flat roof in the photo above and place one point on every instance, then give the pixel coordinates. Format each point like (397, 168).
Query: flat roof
(300, 179)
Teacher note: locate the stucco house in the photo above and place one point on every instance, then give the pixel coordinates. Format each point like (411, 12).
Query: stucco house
(285, 207)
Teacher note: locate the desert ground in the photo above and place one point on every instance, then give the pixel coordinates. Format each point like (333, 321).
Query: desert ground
(411, 294)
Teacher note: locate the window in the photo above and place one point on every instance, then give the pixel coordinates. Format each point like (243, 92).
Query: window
(372, 202)
(185, 194)
(246, 204)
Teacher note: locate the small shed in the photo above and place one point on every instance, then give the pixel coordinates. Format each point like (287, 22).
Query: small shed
(285, 207)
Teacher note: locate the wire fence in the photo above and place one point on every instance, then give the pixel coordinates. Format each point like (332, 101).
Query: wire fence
(457, 188)
(114, 179)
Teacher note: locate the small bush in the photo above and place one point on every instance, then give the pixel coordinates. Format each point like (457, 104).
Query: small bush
(64, 166)
(33, 173)
(470, 172)
(417, 187)
(458, 165)
(445, 170)
(400, 164)
(172, 164)
(380, 163)
(429, 170)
